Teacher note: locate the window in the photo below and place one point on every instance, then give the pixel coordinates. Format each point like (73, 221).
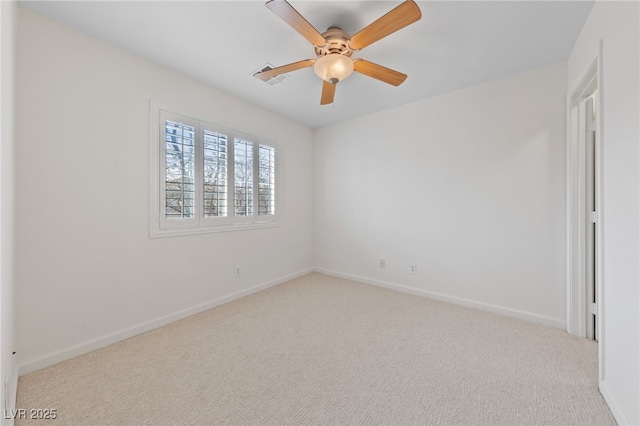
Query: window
(243, 177)
(215, 174)
(266, 180)
(179, 165)
(209, 178)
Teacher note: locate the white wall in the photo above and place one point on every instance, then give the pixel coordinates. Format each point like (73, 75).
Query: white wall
(88, 273)
(616, 23)
(8, 371)
(468, 185)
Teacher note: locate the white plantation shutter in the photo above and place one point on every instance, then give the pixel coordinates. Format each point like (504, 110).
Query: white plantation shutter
(211, 177)
(266, 180)
(178, 183)
(215, 174)
(179, 170)
(243, 177)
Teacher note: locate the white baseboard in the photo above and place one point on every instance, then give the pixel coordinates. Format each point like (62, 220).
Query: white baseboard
(60, 355)
(615, 408)
(514, 313)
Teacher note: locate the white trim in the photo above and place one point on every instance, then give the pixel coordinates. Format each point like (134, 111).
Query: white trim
(8, 59)
(572, 327)
(213, 229)
(13, 386)
(63, 354)
(501, 310)
(600, 231)
(575, 218)
(616, 410)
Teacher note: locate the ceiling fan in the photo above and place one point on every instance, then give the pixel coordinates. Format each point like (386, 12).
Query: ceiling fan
(334, 47)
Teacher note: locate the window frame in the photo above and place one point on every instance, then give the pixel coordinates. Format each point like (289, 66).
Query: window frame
(160, 226)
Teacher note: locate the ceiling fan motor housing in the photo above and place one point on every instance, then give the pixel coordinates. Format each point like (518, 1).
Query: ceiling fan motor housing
(337, 42)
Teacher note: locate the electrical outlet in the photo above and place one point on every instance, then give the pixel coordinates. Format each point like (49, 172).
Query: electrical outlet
(382, 263)
(237, 272)
(413, 268)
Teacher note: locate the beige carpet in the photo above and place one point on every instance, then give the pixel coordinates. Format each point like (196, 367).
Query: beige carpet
(322, 350)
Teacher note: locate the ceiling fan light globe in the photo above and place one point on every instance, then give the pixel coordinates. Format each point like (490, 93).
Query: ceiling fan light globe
(333, 67)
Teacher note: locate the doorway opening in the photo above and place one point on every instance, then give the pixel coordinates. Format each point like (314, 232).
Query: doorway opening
(585, 312)
(589, 134)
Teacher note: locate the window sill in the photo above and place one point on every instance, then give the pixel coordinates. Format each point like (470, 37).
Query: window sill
(177, 232)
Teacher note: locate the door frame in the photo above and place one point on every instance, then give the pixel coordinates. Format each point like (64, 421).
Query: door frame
(576, 217)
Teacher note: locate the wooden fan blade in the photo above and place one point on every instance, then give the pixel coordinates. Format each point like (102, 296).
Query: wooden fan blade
(288, 14)
(328, 92)
(398, 18)
(266, 75)
(379, 72)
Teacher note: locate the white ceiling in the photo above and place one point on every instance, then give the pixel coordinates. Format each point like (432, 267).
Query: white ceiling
(455, 44)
